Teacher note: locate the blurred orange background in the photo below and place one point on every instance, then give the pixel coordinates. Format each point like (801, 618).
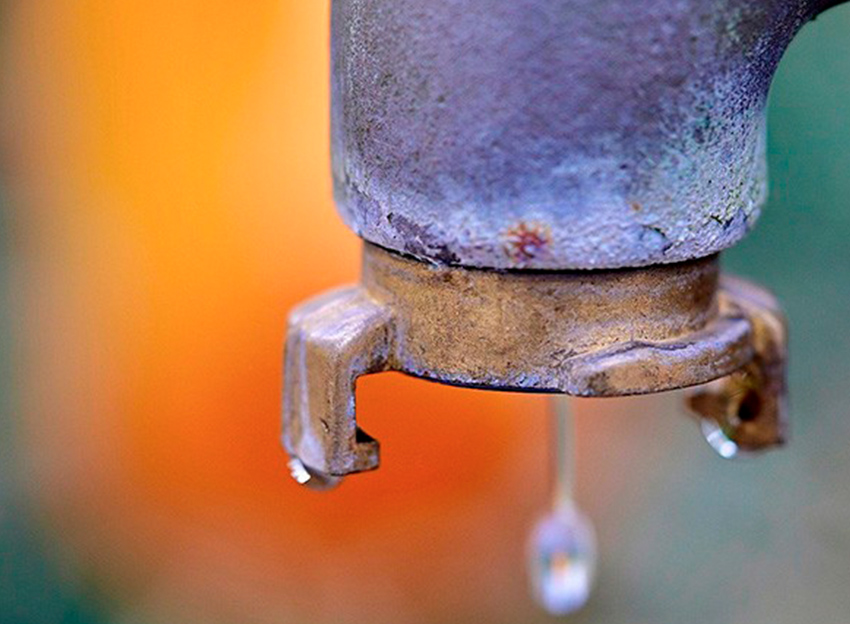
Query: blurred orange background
(167, 180)
(173, 209)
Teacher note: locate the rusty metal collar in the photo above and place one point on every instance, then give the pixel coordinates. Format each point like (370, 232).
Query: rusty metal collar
(586, 333)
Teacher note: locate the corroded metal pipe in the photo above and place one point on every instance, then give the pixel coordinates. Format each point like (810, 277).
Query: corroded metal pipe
(554, 134)
(543, 187)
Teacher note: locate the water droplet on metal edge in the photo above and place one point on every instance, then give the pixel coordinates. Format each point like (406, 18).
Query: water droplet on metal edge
(310, 477)
(722, 444)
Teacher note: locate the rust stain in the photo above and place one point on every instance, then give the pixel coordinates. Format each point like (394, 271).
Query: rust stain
(526, 241)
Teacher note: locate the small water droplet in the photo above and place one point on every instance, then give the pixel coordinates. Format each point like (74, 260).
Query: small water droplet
(310, 477)
(562, 561)
(717, 438)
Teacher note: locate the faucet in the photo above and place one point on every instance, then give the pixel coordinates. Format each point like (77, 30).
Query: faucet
(543, 189)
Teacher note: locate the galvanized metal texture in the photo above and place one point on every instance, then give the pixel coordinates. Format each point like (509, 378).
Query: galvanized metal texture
(599, 333)
(554, 134)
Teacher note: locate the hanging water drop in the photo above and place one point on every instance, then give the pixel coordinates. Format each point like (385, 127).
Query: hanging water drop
(717, 438)
(310, 477)
(563, 561)
(562, 547)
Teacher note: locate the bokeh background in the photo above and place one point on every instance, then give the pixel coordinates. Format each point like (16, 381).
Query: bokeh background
(166, 199)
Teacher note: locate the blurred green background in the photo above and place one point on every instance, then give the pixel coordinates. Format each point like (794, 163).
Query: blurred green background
(708, 541)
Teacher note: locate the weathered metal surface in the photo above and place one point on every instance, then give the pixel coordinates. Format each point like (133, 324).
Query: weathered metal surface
(587, 333)
(749, 407)
(554, 134)
(500, 146)
(600, 333)
(332, 340)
